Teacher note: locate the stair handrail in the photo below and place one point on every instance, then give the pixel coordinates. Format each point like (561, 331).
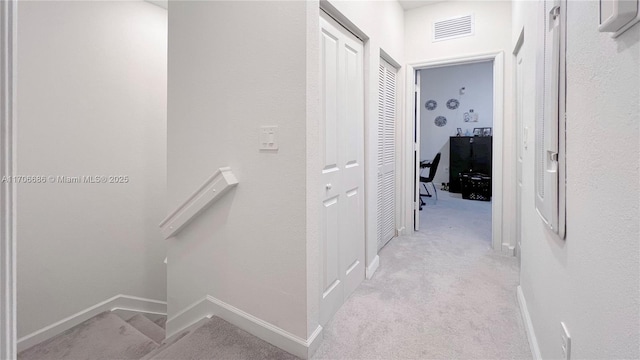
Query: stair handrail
(211, 191)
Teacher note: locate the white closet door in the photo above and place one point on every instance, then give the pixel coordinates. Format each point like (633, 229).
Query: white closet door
(342, 173)
(386, 152)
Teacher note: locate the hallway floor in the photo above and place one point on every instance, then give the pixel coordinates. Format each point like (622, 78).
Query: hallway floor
(439, 294)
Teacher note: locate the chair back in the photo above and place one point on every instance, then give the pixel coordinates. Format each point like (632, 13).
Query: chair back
(434, 167)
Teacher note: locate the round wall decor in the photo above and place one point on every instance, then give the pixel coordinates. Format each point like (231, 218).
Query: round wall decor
(453, 104)
(440, 121)
(431, 105)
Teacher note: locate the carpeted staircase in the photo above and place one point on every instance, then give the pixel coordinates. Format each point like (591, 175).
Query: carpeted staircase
(107, 336)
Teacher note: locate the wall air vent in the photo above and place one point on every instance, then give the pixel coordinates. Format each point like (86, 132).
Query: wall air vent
(457, 27)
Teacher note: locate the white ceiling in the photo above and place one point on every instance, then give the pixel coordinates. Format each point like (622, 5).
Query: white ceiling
(162, 3)
(406, 4)
(412, 4)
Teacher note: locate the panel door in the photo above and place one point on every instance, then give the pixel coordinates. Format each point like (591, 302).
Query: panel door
(386, 159)
(342, 173)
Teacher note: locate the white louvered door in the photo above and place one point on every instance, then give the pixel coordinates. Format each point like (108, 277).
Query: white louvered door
(342, 173)
(386, 152)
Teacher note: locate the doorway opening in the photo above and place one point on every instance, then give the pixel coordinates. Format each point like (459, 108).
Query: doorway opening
(458, 114)
(456, 128)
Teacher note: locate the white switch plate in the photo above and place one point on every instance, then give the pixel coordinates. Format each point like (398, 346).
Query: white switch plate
(566, 342)
(269, 138)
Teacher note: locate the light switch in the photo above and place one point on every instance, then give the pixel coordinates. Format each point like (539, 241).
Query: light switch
(268, 138)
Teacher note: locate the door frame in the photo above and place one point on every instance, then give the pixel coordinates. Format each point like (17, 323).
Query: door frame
(411, 125)
(8, 53)
(519, 127)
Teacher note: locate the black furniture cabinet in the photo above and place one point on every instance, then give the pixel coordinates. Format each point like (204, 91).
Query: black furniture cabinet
(468, 154)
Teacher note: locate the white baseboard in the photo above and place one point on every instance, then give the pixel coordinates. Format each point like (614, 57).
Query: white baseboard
(508, 249)
(531, 334)
(371, 269)
(189, 316)
(118, 303)
(210, 306)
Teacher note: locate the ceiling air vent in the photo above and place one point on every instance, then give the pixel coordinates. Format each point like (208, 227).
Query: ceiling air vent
(453, 28)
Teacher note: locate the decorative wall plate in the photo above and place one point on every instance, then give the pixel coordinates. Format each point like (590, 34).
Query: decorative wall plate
(431, 105)
(440, 121)
(453, 104)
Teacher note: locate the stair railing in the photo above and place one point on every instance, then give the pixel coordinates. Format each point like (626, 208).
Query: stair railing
(211, 191)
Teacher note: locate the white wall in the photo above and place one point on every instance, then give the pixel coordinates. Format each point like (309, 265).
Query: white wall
(591, 280)
(92, 101)
(257, 249)
(313, 213)
(382, 21)
(234, 66)
(8, 122)
(444, 83)
(492, 34)
(492, 21)
(382, 25)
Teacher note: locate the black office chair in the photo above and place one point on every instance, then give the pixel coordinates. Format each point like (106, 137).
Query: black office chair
(433, 167)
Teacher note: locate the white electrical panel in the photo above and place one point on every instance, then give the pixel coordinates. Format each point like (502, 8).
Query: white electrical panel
(268, 138)
(566, 342)
(616, 14)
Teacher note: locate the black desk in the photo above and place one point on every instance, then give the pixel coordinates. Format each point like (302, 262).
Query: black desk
(468, 154)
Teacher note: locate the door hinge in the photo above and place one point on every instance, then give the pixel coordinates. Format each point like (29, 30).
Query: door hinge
(416, 87)
(415, 146)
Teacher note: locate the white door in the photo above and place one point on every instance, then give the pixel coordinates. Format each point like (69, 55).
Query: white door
(342, 154)
(386, 153)
(519, 149)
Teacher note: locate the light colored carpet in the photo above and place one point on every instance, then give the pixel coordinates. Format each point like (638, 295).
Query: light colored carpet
(147, 327)
(105, 336)
(440, 294)
(167, 343)
(218, 339)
